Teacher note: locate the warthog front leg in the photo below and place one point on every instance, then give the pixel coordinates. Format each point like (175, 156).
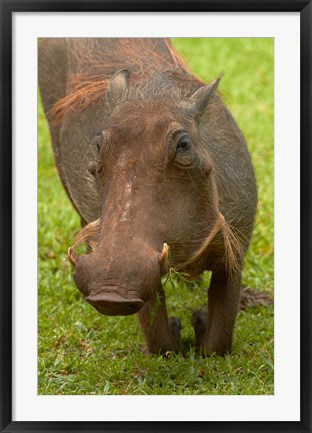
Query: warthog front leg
(214, 331)
(162, 334)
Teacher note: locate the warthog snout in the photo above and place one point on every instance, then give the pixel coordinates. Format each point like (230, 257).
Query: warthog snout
(121, 283)
(112, 304)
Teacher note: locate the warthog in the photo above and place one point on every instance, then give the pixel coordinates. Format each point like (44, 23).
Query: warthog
(161, 176)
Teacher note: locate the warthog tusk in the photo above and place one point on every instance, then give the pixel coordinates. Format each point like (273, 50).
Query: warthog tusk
(164, 256)
(72, 256)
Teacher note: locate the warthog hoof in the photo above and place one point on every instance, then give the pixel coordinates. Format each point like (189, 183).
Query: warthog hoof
(199, 322)
(175, 328)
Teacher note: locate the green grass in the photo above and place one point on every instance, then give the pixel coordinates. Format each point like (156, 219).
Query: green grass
(82, 352)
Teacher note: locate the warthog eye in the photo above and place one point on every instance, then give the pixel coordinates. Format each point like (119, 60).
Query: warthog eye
(184, 156)
(184, 144)
(181, 149)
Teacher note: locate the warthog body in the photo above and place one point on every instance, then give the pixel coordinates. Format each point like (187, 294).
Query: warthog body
(160, 174)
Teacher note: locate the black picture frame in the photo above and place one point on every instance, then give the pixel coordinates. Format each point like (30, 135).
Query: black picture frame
(7, 10)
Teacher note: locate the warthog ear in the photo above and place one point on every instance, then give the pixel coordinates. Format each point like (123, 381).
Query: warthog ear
(199, 101)
(117, 87)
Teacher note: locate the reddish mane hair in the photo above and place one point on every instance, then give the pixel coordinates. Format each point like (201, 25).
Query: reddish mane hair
(88, 85)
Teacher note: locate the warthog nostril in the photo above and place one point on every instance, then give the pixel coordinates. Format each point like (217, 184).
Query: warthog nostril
(112, 304)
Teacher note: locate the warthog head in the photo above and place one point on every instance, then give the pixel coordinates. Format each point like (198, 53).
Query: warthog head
(158, 196)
